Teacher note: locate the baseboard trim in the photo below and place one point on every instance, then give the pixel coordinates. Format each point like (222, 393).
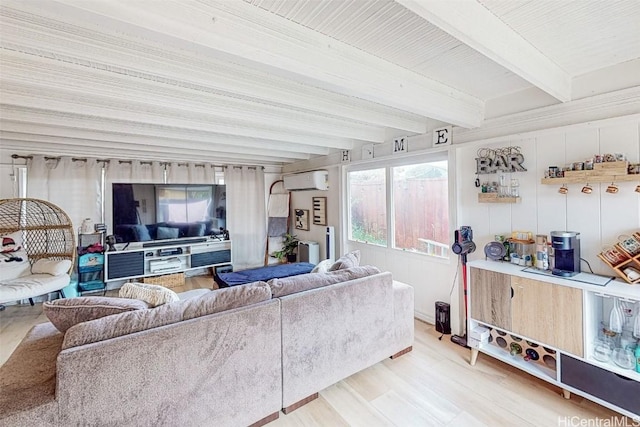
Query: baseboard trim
(299, 403)
(401, 352)
(266, 419)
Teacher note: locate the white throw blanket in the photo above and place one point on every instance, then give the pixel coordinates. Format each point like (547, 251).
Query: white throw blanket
(278, 205)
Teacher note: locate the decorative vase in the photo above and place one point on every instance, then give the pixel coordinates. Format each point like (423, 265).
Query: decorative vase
(87, 226)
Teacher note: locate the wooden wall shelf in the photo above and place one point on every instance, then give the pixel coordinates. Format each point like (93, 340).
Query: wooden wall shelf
(591, 179)
(493, 198)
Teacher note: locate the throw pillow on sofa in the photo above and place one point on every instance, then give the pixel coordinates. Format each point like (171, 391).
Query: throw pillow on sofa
(154, 295)
(167, 233)
(66, 312)
(13, 258)
(322, 267)
(351, 259)
(304, 282)
(141, 233)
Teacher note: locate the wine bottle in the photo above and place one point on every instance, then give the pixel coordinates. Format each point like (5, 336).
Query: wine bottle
(531, 355)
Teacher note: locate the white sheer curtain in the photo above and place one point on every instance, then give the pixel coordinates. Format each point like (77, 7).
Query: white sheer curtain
(246, 216)
(201, 173)
(178, 173)
(72, 184)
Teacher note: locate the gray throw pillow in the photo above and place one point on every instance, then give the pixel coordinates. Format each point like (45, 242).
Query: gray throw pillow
(351, 259)
(66, 312)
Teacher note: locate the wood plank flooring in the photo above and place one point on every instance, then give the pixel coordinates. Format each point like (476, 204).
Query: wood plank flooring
(433, 385)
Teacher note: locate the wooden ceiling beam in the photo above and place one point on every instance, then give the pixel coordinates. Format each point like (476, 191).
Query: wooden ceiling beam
(150, 136)
(155, 144)
(242, 33)
(474, 25)
(68, 147)
(41, 39)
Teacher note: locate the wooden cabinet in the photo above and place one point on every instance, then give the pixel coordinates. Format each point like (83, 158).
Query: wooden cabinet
(541, 311)
(490, 296)
(549, 326)
(548, 313)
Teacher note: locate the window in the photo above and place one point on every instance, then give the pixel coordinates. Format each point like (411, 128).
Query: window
(184, 203)
(421, 208)
(368, 206)
(415, 195)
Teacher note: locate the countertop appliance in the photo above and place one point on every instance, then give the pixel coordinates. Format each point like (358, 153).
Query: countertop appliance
(566, 245)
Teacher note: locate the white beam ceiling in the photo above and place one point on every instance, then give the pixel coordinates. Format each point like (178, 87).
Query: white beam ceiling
(248, 35)
(474, 25)
(238, 82)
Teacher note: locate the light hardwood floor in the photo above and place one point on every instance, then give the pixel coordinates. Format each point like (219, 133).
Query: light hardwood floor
(433, 385)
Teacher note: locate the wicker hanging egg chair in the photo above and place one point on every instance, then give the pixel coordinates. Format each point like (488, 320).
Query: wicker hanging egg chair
(47, 231)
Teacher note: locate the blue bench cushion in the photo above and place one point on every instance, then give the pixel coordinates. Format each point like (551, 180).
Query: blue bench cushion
(263, 273)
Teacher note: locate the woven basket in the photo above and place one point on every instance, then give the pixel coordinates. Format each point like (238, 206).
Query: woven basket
(168, 280)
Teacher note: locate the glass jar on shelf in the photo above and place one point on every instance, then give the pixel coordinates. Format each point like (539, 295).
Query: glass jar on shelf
(515, 187)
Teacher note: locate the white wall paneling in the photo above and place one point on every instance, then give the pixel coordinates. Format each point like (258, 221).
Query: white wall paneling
(551, 206)
(600, 217)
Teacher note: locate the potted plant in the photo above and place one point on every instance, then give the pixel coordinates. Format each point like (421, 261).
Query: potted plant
(289, 247)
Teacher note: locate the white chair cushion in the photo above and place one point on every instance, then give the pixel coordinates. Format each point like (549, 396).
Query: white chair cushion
(31, 286)
(49, 266)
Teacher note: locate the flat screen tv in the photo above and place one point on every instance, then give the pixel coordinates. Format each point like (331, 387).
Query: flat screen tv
(146, 212)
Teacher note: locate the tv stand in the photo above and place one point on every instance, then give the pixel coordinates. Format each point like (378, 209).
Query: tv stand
(166, 257)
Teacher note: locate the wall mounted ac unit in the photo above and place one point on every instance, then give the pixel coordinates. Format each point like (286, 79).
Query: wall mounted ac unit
(314, 180)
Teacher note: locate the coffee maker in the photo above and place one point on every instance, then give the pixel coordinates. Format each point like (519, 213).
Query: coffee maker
(566, 245)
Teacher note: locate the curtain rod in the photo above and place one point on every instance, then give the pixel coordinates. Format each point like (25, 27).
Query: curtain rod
(142, 162)
(240, 167)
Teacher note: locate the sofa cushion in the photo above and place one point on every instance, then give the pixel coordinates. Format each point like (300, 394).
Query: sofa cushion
(226, 299)
(13, 258)
(304, 282)
(193, 293)
(154, 295)
(66, 312)
(348, 260)
(140, 320)
(122, 324)
(50, 266)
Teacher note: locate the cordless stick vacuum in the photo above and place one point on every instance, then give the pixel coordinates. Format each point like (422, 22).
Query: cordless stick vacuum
(462, 246)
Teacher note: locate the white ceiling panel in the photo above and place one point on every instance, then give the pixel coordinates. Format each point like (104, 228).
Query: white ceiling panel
(580, 36)
(388, 30)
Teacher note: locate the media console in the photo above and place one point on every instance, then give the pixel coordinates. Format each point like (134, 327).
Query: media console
(140, 260)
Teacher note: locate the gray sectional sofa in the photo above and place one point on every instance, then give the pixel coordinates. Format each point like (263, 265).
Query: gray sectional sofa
(231, 357)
